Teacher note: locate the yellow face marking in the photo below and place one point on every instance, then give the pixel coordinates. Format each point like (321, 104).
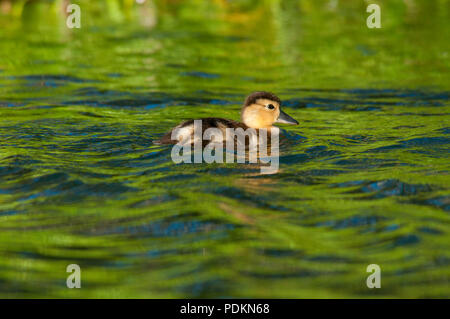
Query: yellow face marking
(260, 114)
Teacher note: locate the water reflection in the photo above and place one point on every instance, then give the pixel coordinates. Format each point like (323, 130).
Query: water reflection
(363, 179)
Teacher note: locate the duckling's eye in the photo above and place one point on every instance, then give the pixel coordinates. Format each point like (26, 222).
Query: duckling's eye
(270, 106)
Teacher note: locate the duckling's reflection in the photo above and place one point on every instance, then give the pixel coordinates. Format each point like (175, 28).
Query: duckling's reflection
(234, 146)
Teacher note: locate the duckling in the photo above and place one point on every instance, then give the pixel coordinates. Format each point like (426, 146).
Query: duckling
(260, 111)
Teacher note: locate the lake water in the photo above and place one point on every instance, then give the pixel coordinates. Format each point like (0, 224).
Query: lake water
(363, 179)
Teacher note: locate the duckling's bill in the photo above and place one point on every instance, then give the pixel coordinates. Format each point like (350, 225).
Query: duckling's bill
(286, 119)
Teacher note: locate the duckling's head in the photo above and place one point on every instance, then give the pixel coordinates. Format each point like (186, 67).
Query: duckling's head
(262, 109)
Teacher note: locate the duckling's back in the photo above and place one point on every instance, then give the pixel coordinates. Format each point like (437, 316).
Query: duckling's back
(185, 131)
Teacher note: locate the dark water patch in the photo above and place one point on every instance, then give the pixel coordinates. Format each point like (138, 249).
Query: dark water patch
(164, 229)
(367, 163)
(13, 172)
(385, 148)
(10, 212)
(294, 158)
(392, 187)
(59, 188)
(205, 288)
(328, 259)
(314, 90)
(39, 182)
(420, 142)
(322, 172)
(421, 114)
(79, 189)
(52, 79)
(366, 51)
(90, 114)
(426, 141)
(357, 139)
(44, 224)
(157, 253)
(121, 103)
(414, 95)
(175, 65)
(45, 43)
(81, 128)
(302, 273)
(132, 103)
(66, 256)
(441, 261)
(210, 39)
(114, 75)
(155, 200)
(13, 288)
(431, 264)
(400, 127)
(40, 107)
(79, 247)
(405, 240)
(150, 159)
(429, 230)
(102, 146)
(370, 221)
(442, 202)
(302, 178)
(20, 160)
(272, 252)
(225, 170)
(97, 92)
(11, 104)
(320, 151)
(153, 171)
(445, 130)
(335, 104)
(175, 178)
(30, 131)
(245, 197)
(390, 228)
(115, 99)
(199, 74)
(290, 136)
(368, 99)
(349, 183)
(121, 38)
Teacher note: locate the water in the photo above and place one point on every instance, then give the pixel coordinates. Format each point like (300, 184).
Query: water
(363, 179)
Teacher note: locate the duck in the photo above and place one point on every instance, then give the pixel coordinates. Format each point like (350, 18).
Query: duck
(261, 110)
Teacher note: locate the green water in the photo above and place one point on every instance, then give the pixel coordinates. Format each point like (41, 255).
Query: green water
(363, 180)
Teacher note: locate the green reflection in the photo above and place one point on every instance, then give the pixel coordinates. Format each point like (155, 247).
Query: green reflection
(363, 178)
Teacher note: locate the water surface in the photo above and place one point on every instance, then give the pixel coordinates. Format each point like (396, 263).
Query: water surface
(363, 180)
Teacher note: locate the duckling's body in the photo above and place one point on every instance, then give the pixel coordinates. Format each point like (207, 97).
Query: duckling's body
(260, 111)
(186, 129)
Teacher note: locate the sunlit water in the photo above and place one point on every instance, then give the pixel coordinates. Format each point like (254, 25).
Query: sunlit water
(363, 179)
